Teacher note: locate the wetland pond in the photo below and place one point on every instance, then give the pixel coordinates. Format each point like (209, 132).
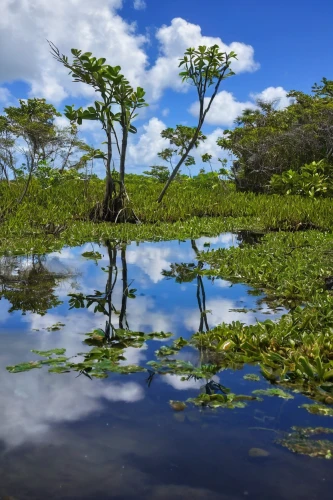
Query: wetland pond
(89, 416)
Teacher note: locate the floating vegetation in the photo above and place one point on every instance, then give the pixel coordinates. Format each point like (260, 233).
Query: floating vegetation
(92, 255)
(176, 346)
(294, 351)
(178, 405)
(273, 392)
(49, 353)
(252, 376)
(56, 327)
(311, 431)
(24, 367)
(316, 409)
(298, 442)
(217, 401)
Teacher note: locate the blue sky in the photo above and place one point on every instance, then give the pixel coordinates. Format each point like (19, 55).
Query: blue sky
(285, 45)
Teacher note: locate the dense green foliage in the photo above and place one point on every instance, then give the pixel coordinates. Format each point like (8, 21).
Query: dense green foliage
(314, 179)
(268, 141)
(58, 214)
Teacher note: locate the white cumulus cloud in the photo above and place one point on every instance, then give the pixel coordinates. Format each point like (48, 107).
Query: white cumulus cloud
(277, 94)
(90, 26)
(96, 27)
(175, 39)
(144, 152)
(224, 110)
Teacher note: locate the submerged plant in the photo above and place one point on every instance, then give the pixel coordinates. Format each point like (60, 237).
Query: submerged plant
(298, 442)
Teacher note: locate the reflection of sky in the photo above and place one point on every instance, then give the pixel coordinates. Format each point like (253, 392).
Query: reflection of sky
(91, 431)
(160, 305)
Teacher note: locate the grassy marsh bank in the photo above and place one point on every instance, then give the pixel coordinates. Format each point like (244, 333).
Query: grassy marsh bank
(59, 215)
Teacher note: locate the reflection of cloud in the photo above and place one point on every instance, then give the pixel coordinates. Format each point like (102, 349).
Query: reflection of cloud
(151, 259)
(134, 355)
(144, 316)
(4, 314)
(34, 402)
(183, 385)
(222, 283)
(226, 240)
(220, 313)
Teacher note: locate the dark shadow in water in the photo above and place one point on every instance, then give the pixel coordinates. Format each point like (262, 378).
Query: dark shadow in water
(28, 285)
(250, 237)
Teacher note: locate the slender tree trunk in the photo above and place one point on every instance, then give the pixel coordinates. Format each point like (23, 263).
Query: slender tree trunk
(111, 282)
(201, 294)
(4, 170)
(202, 116)
(122, 316)
(179, 164)
(109, 187)
(123, 159)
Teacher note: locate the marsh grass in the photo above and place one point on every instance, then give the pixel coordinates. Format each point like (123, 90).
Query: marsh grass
(59, 214)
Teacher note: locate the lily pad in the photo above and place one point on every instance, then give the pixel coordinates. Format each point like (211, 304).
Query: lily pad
(273, 392)
(92, 255)
(46, 354)
(217, 401)
(252, 376)
(24, 367)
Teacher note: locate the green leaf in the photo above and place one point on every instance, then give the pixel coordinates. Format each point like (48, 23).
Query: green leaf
(23, 367)
(49, 353)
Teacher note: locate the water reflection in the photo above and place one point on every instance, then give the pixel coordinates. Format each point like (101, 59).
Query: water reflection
(186, 273)
(29, 285)
(64, 436)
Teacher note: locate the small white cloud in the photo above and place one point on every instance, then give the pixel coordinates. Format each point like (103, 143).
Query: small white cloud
(139, 4)
(165, 111)
(224, 110)
(277, 94)
(210, 146)
(174, 40)
(144, 152)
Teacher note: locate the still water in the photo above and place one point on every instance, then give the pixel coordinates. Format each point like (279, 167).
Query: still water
(64, 436)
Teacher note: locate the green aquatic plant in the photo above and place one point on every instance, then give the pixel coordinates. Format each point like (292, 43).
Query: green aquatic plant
(295, 349)
(311, 431)
(230, 401)
(92, 255)
(316, 409)
(273, 392)
(298, 442)
(252, 376)
(193, 210)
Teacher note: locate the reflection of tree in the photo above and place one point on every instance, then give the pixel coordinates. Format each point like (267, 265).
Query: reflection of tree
(104, 301)
(122, 316)
(28, 285)
(186, 273)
